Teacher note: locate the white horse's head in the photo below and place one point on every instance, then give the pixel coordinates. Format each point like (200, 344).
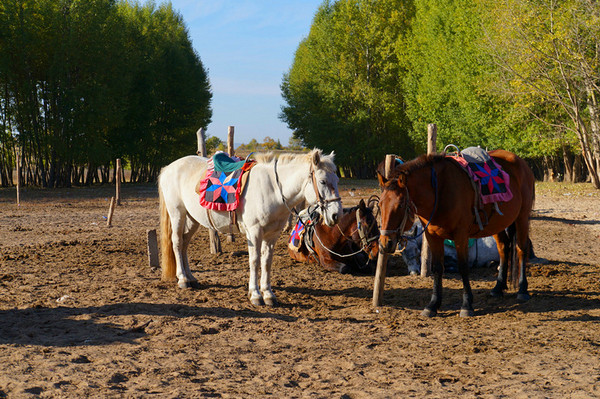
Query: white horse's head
(322, 189)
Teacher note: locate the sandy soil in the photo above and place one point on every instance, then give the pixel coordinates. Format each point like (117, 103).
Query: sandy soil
(83, 315)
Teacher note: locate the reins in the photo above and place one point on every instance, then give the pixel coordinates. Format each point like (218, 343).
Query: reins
(364, 240)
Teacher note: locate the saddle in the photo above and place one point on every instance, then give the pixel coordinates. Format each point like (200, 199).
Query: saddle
(225, 178)
(490, 182)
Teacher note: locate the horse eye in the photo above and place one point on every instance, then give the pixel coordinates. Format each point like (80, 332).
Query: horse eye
(323, 182)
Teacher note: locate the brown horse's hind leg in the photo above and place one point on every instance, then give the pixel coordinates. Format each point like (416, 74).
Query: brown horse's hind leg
(523, 243)
(462, 252)
(503, 244)
(436, 245)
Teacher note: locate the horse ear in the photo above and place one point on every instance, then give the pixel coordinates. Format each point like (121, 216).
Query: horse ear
(316, 157)
(402, 179)
(381, 178)
(362, 205)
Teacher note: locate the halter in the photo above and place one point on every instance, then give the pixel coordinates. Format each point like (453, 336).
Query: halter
(408, 203)
(322, 202)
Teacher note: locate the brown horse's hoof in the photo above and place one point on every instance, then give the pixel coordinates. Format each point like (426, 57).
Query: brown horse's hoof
(496, 293)
(428, 313)
(523, 297)
(467, 313)
(194, 284)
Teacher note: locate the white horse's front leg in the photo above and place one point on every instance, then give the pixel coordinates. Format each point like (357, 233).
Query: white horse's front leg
(254, 258)
(265, 277)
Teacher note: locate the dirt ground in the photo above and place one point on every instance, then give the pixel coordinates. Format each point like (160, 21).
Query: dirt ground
(83, 315)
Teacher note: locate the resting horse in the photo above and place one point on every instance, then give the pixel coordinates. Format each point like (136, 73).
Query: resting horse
(274, 186)
(349, 246)
(440, 193)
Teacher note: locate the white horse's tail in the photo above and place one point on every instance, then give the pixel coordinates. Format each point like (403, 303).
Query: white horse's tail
(167, 256)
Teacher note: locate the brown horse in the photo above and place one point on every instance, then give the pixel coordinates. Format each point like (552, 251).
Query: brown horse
(349, 246)
(439, 192)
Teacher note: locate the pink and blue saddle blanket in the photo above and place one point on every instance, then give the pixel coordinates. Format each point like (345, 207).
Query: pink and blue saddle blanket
(220, 188)
(493, 182)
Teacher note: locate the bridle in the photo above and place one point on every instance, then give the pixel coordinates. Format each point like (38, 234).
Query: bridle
(321, 201)
(362, 229)
(410, 206)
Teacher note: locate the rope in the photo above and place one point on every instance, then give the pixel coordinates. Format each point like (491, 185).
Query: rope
(340, 255)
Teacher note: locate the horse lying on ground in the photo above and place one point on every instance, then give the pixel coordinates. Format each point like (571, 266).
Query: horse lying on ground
(274, 186)
(351, 246)
(440, 193)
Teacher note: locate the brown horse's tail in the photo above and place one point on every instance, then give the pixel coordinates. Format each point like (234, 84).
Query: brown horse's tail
(167, 256)
(513, 259)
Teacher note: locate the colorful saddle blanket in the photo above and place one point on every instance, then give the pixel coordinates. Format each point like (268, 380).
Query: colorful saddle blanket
(220, 188)
(301, 232)
(493, 182)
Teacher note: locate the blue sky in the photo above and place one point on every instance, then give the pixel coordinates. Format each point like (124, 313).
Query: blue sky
(247, 46)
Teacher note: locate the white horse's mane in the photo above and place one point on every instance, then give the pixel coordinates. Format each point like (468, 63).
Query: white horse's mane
(326, 162)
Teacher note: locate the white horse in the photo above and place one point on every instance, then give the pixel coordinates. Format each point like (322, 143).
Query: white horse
(275, 185)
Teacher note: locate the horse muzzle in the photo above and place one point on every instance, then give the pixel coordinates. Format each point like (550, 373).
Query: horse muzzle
(387, 244)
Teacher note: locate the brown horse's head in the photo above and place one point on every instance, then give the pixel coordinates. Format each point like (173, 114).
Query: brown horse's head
(367, 232)
(396, 209)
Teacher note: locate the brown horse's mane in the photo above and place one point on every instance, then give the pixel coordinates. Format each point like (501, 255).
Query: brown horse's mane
(418, 163)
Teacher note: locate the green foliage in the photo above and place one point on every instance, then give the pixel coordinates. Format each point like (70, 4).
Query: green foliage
(85, 82)
(342, 91)
(518, 74)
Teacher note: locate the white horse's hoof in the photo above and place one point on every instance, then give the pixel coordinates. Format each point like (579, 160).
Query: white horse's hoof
(271, 301)
(467, 313)
(256, 300)
(184, 284)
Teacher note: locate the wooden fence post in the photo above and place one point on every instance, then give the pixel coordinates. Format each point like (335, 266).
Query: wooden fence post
(425, 251)
(118, 181)
(215, 242)
(18, 154)
(231, 151)
(152, 249)
(111, 210)
(201, 136)
(382, 259)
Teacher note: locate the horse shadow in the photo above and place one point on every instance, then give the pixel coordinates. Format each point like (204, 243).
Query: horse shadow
(58, 327)
(565, 220)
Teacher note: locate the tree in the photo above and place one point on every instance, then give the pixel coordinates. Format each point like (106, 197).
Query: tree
(85, 82)
(548, 51)
(343, 90)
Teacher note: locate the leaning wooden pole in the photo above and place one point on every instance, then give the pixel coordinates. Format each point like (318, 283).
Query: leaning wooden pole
(215, 242)
(425, 251)
(382, 259)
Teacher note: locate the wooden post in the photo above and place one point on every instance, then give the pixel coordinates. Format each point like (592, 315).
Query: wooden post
(118, 181)
(152, 249)
(215, 242)
(382, 259)
(425, 251)
(111, 210)
(230, 146)
(18, 154)
(231, 151)
(201, 142)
